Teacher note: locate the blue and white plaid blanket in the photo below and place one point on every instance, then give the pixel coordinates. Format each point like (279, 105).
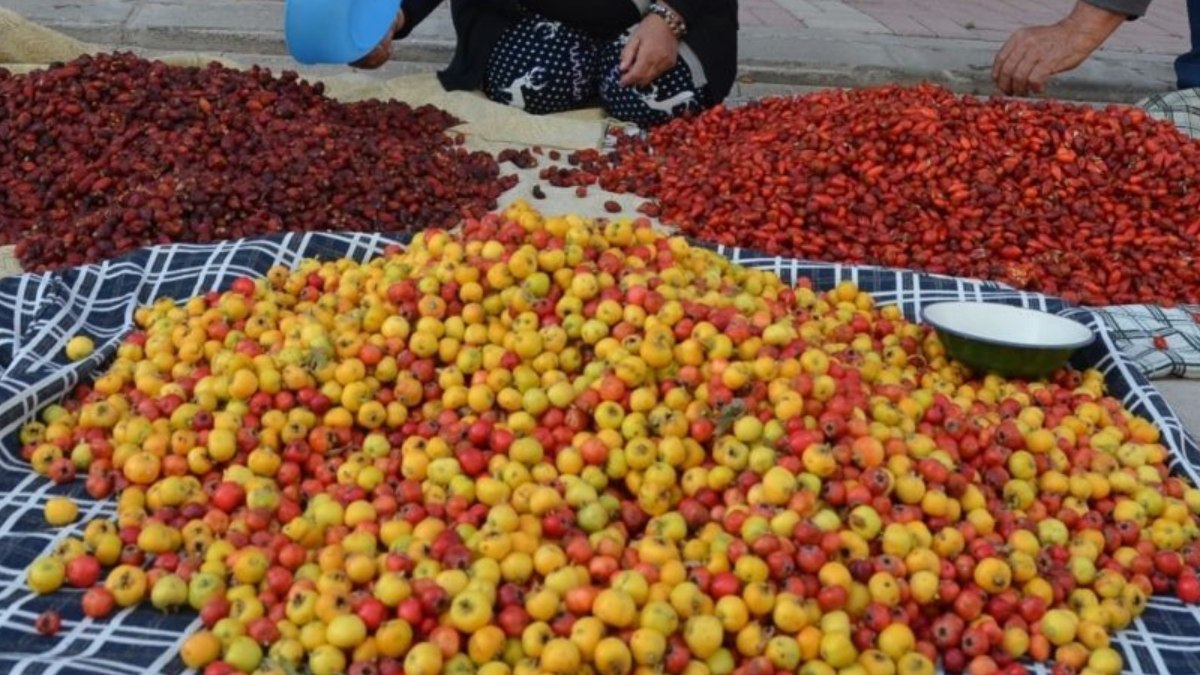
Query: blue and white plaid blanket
(38, 313)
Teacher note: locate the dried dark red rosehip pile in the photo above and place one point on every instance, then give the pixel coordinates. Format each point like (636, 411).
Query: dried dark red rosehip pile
(1098, 206)
(109, 153)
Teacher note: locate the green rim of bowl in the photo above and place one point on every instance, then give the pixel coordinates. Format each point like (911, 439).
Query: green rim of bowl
(1032, 314)
(1006, 357)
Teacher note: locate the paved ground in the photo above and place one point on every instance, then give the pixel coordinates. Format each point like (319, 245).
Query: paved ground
(1184, 397)
(1162, 31)
(790, 42)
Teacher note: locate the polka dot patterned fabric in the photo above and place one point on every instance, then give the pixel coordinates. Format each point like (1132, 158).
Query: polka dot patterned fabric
(543, 66)
(674, 93)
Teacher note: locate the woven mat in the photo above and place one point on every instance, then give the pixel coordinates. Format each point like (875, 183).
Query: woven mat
(24, 42)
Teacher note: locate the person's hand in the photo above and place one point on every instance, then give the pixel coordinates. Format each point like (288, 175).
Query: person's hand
(651, 51)
(1032, 55)
(383, 52)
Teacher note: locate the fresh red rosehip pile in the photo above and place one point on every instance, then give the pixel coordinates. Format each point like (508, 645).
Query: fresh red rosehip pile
(544, 445)
(1097, 206)
(112, 152)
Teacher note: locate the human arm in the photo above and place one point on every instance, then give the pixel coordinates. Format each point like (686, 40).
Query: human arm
(411, 13)
(1033, 54)
(654, 48)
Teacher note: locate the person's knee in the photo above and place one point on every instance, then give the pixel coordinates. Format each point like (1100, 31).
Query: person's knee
(647, 106)
(622, 103)
(537, 90)
(541, 67)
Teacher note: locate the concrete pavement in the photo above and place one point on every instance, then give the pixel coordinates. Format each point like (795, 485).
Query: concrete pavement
(1162, 31)
(785, 42)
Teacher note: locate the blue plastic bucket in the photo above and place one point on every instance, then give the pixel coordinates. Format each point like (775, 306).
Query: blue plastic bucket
(336, 31)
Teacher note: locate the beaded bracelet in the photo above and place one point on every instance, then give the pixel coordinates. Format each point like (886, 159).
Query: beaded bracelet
(671, 17)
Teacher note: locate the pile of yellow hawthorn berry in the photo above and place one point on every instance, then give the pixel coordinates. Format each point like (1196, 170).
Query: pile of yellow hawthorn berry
(547, 445)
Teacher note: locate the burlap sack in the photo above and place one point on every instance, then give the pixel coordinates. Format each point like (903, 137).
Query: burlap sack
(488, 126)
(197, 60)
(22, 42)
(8, 262)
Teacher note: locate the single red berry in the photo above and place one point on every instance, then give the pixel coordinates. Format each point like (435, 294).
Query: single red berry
(48, 622)
(1188, 589)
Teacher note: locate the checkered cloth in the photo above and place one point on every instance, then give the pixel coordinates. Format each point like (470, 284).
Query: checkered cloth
(1181, 108)
(1162, 342)
(39, 312)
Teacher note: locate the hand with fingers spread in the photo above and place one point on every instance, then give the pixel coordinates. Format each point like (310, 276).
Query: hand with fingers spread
(1032, 55)
(383, 52)
(651, 51)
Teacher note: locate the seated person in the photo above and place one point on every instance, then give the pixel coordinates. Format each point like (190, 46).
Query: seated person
(645, 61)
